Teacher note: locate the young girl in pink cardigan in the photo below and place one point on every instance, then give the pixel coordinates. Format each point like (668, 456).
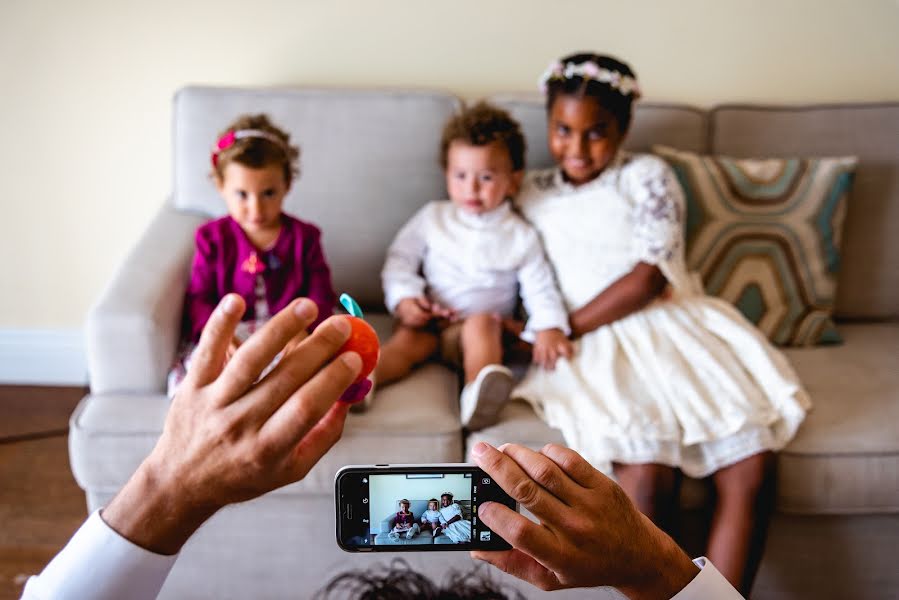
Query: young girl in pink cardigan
(257, 251)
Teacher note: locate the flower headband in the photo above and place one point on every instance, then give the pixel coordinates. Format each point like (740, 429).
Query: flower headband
(229, 139)
(623, 84)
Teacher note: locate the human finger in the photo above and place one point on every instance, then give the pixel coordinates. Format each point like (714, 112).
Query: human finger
(515, 481)
(296, 369)
(306, 407)
(260, 349)
(537, 356)
(544, 471)
(209, 356)
(573, 464)
(551, 357)
(528, 536)
(520, 565)
(319, 440)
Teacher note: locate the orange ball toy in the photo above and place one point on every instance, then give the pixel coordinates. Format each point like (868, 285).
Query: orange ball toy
(364, 341)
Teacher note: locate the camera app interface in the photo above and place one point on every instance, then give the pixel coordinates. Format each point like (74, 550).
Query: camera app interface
(433, 509)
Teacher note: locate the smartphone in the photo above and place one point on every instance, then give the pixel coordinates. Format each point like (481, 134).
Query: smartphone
(415, 508)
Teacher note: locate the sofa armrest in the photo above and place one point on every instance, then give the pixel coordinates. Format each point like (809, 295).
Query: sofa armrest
(387, 524)
(132, 330)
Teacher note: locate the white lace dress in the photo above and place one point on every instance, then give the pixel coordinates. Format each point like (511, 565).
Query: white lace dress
(686, 381)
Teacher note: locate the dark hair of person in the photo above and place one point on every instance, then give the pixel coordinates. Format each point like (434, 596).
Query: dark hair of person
(399, 581)
(483, 124)
(620, 105)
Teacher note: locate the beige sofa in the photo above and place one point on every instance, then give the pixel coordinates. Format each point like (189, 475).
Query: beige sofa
(369, 161)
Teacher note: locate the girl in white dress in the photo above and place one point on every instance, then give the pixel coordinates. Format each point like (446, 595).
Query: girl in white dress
(454, 524)
(663, 376)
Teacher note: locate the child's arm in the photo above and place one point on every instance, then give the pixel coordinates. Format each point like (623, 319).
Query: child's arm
(628, 294)
(547, 327)
(202, 295)
(401, 274)
(318, 275)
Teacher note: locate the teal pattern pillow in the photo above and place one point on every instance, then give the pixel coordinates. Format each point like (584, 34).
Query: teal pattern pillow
(765, 235)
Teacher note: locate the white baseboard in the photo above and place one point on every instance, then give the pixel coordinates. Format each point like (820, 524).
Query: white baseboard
(42, 357)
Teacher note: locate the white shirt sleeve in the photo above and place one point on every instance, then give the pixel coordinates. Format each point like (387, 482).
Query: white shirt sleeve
(709, 584)
(540, 294)
(99, 564)
(401, 276)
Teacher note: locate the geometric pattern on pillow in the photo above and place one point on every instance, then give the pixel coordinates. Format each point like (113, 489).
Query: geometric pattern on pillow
(764, 234)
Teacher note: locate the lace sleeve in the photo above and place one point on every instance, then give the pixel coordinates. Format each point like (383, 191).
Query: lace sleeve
(658, 210)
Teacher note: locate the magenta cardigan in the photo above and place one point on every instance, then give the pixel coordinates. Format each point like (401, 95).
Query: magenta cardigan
(294, 267)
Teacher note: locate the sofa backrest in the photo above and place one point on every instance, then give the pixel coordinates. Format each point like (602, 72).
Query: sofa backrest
(368, 161)
(869, 273)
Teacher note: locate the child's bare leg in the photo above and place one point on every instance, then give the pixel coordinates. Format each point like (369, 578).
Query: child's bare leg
(481, 344)
(652, 488)
(406, 348)
(745, 501)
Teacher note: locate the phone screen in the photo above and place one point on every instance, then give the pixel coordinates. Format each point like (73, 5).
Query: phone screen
(416, 508)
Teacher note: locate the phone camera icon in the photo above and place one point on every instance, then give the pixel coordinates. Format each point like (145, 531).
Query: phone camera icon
(485, 536)
(486, 481)
(365, 501)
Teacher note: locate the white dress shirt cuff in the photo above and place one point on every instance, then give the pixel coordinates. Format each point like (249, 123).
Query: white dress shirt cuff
(709, 584)
(100, 564)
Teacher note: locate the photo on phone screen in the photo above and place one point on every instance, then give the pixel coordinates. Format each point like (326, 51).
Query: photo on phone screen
(390, 508)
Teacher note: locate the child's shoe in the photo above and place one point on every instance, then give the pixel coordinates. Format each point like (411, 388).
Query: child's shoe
(394, 536)
(483, 398)
(410, 534)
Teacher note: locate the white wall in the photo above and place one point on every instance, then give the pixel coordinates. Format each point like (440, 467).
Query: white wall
(86, 90)
(385, 490)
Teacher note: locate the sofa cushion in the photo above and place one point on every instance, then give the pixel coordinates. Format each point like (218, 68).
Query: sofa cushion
(869, 277)
(654, 123)
(845, 457)
(414, 420)
(765, 235)
(368, 161)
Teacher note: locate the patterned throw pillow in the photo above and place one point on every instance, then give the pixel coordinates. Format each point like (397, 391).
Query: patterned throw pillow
(765, 234)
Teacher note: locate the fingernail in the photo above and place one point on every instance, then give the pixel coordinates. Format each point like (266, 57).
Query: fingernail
(229, 304)
(342, 325)
(304, 309)
(352, 360)
(480, 449)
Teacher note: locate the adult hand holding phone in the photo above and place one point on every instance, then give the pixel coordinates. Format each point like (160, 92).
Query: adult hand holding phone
(589, 534)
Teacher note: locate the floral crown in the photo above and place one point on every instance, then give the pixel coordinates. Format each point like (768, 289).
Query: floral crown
(623, 84)
(231, 137)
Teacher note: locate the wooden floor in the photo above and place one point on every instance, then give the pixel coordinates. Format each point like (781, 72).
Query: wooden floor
(41, 506)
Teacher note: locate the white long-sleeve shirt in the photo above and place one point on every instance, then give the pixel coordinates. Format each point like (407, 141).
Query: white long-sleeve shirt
(99, 564)
(474, 264)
